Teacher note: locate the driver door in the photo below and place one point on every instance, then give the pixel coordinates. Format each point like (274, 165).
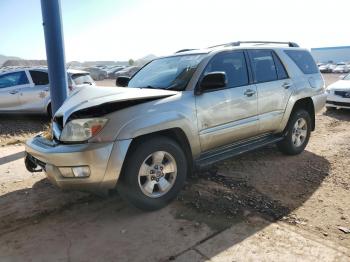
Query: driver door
(35, 98)
(229, 114)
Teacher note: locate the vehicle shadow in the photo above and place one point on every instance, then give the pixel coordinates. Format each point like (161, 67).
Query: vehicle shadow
(10, 158)
(263, 184)
(339, 114)
(80, 226)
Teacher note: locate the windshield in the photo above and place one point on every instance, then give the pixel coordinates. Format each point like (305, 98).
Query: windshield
(347, 77)
(172, 73)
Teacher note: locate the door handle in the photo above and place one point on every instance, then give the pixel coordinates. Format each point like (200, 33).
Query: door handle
(13, 92)
(286, 85)
(249, 92)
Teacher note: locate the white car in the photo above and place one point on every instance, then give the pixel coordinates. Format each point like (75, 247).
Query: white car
(26, 90)
(338, 94)
(341, 68)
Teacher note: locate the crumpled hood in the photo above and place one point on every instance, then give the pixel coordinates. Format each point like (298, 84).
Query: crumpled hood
(340, 85)
(92, 96)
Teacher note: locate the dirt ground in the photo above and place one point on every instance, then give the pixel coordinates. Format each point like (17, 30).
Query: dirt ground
(258, 203)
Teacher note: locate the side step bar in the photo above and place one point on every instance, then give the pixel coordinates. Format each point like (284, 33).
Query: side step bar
(222, 153)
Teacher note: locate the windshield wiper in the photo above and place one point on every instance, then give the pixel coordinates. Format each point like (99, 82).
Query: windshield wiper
(149, 86)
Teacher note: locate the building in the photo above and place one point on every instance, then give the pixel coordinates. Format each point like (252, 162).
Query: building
(334, 54)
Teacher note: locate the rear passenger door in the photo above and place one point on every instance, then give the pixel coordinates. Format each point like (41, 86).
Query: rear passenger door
(228, 114)
(35, 97)
(274, 88)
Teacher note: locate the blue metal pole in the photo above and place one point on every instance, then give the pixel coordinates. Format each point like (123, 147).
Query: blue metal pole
(52, 22)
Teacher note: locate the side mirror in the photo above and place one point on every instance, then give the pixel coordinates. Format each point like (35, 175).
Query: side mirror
(212, 81)
(122, 81)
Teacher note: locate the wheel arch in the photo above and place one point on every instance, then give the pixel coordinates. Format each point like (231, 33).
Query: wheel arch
(308, 105)
(176, 134)
(305, 103)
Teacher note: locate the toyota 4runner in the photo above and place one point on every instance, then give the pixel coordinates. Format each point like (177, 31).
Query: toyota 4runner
(179, 113)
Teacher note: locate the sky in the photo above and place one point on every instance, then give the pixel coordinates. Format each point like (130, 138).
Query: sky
(123, 29)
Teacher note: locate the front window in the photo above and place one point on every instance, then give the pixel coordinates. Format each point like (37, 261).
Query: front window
(233, 64)
(171, 73)
(13, 79)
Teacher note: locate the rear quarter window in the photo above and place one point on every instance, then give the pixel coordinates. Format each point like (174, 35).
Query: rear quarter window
(39, 77)
(303, 60)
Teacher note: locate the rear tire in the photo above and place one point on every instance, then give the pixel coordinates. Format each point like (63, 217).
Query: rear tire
(297, 133)
(153, 174)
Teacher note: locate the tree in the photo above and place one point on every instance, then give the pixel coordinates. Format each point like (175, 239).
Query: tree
(131, 62)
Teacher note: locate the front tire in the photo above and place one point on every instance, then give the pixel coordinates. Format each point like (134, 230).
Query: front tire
(297, 133)
(153, 174)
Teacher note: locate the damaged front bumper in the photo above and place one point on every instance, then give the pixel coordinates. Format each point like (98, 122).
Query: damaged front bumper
(93, 167)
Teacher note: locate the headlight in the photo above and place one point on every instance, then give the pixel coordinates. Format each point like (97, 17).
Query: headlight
(79, 130)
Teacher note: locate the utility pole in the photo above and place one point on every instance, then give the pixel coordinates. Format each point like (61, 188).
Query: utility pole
(53, 30)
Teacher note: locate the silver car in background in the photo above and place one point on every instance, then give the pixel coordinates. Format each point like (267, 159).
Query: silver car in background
(128, 71)
(341, 68)
(26, 90)
(97, 73)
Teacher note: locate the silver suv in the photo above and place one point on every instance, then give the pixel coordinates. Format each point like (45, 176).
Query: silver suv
(179, 113)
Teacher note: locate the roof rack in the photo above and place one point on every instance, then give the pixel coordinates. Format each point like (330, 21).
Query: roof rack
(238, 43)
(185, 50)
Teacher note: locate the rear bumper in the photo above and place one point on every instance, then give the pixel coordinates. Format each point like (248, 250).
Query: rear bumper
(104, 160)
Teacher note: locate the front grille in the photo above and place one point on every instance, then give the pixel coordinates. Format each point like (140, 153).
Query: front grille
(59, 121)
(57, 126)
(338, 103)
(345, 94)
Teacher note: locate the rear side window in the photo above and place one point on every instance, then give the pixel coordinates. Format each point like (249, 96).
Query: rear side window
(303, 60)
(263, 65)
(80, 79)
(39, 77)
(13, 79)
(281, 71)
(233, 64)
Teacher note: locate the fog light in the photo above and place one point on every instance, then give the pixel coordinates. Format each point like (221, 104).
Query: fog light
(81, 171)
(66, 172)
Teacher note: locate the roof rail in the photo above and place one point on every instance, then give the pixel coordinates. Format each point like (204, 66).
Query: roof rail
(184, 50)
(238, 43)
